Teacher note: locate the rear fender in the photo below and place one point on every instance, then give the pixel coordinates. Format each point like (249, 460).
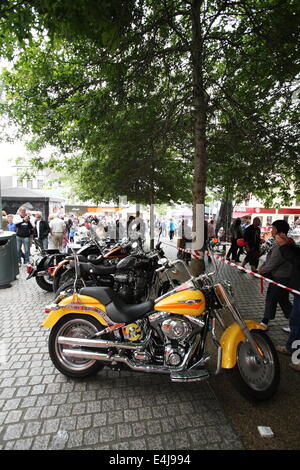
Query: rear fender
(31, 274)
(40, 262)
(230, 340)
(80, 304)
(60, 267)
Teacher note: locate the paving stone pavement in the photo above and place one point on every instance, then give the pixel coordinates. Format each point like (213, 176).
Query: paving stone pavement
(40, 409)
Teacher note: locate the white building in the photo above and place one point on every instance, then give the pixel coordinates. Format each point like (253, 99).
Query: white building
(253, 207)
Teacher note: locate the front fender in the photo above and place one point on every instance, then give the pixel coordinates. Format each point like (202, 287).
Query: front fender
(230, 340)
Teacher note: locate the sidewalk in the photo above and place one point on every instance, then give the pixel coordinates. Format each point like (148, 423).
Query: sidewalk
(42, 409)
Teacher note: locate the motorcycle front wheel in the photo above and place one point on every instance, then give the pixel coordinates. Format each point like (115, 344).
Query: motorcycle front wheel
(74, 326)
(256, 379)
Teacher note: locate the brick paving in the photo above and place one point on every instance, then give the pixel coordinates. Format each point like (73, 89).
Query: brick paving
(115, 410)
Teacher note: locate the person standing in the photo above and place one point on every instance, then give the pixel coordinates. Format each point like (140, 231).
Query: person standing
(291, 253)
(211, 229)
(129, 226)
(252, 244)
(57, 229)
(11, 227)
(4, 221)
(68, 223)
(279, 270)
(23, 232)
(41, 230)
(236, 233)
(171, 229)
(183, 241)
(164, 228)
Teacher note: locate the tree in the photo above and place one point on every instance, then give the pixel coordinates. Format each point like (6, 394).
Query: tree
(232, 65)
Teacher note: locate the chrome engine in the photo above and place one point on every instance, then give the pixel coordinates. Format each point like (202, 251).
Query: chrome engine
(176, 329)
(176, 334)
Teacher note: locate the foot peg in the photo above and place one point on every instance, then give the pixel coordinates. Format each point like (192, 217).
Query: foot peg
(191, 375)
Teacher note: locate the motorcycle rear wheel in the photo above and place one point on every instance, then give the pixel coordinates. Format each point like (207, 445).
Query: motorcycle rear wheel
(253, 378)
(45, 282)
(76, 326)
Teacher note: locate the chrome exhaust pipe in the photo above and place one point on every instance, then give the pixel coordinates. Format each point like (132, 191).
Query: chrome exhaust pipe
(100, 343)
(77, 354)
(97, 356)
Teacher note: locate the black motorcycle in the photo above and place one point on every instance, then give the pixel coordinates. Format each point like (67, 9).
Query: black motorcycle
(94, 250)
(43, 264)
(134, 278)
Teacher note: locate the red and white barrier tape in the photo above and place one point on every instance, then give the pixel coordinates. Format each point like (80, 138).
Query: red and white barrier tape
(197, 254)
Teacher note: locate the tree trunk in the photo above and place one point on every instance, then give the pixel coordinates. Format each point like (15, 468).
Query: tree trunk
(200, 109)
(152, 198)
(225, 215)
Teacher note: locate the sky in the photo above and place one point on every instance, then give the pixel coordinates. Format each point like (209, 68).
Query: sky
(10, 151)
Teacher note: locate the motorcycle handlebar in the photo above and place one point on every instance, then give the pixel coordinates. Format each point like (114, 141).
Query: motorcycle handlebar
(160, 269)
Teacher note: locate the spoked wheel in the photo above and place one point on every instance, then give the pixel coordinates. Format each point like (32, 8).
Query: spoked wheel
(74, 326)
(255, 378)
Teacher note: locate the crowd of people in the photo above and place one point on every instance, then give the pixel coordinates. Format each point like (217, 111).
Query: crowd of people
(51, 233)
(58, 231)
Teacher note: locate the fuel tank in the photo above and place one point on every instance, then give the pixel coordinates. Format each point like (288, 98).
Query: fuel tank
(183, 302)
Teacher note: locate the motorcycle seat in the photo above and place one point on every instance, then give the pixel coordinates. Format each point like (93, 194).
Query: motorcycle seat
(95, 269)
(80, 257)
(52, 251)
(117, 310)
(95, 259)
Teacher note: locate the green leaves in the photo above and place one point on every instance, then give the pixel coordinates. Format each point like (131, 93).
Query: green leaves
(131, 95)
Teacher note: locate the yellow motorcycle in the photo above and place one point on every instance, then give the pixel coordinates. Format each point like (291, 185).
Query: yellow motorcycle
(168, 335)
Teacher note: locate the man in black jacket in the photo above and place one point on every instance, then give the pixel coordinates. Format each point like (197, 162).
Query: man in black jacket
(41, 229)
(291, 253)
(279, 270)
(23, 232)
(252, 244)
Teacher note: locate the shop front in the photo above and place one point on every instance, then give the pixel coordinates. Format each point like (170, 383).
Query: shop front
(267, 216)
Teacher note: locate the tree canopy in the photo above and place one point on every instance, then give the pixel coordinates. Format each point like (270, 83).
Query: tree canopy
(141, 97)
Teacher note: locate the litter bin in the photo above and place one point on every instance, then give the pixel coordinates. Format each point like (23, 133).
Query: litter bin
(9, 267)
